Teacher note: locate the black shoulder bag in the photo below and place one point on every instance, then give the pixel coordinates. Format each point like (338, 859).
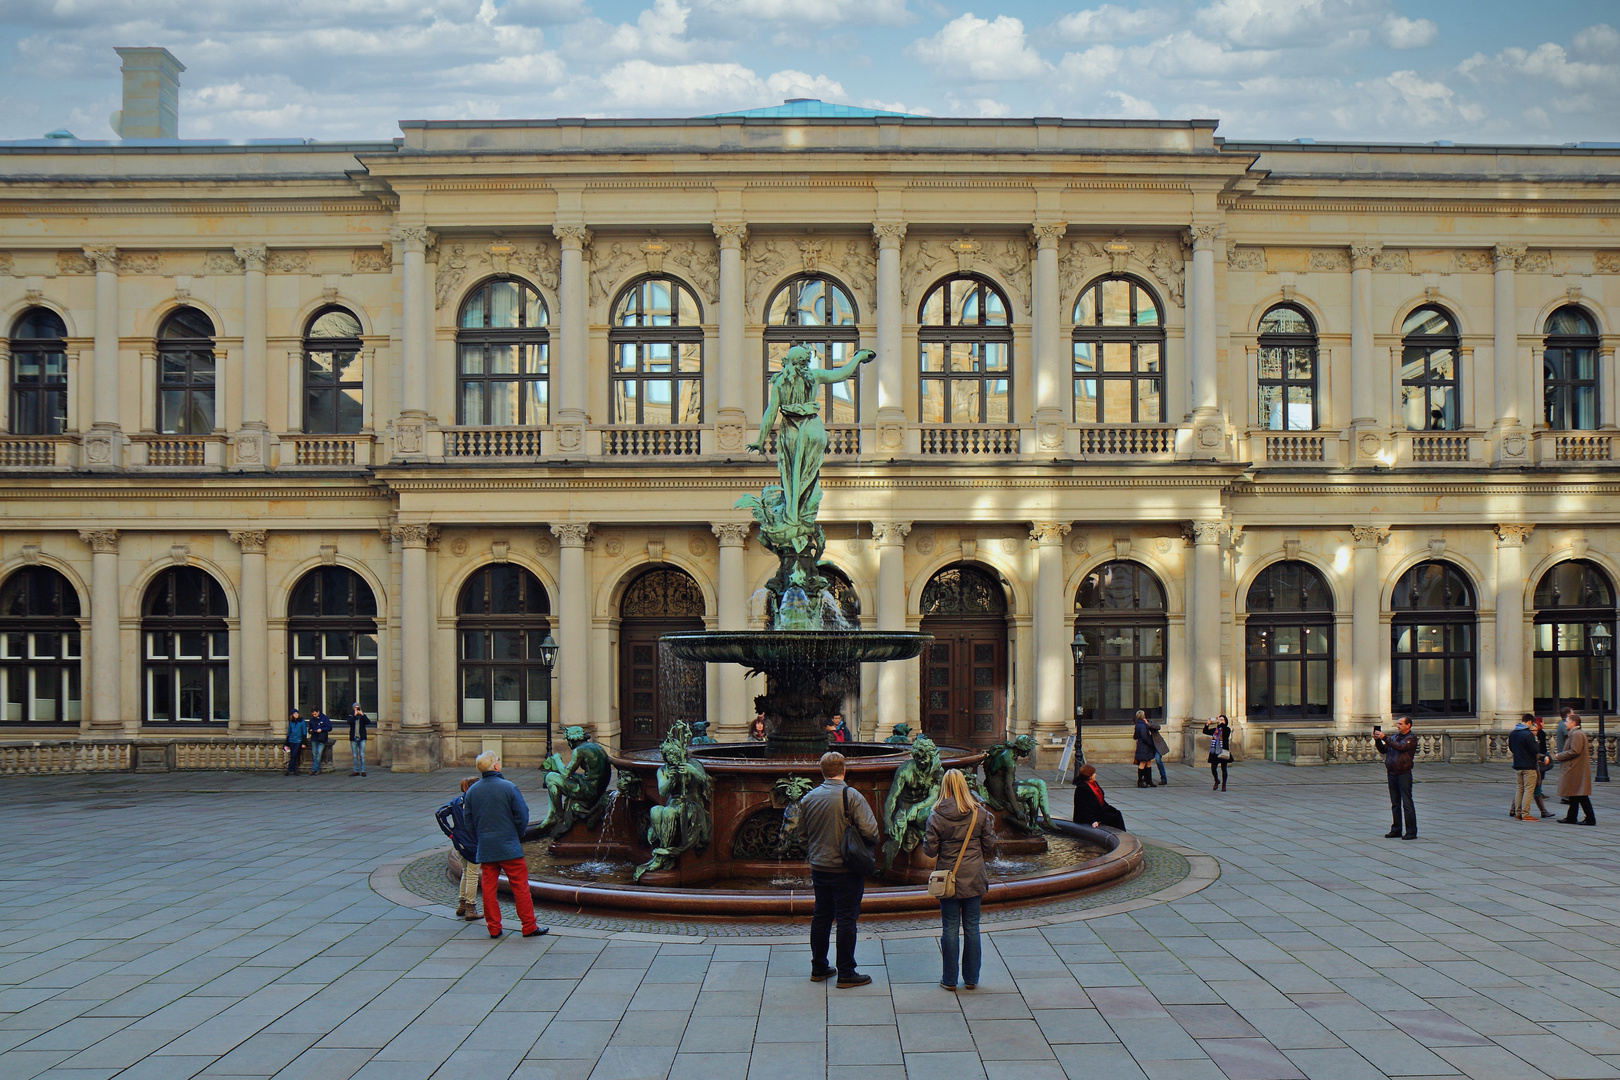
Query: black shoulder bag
(855, 851)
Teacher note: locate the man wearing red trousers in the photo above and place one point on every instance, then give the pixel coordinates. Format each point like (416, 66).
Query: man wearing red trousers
(498, 815)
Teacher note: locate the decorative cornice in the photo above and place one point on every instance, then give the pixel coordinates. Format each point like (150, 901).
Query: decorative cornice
(572, 237)
(251, 541)
(105, 259)
(101, 541)
(1363, 253)
(252, 256)
(1048, 533)
(1369, 535)
(1263, 204)
(732, 533)
(572, 534)
(890, 533)
(889, 234)
(731, 234)
(1513, 535)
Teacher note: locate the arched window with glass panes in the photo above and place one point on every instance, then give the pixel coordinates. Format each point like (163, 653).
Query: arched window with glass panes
(1289, 644)
(1120, 614)
(502, 621)
(1569, 370)
(1118, 353)
(333, 382)
(39, 648)
(815, 310)
(503, 356)
(1431, 391)
(39, 380)
(1286, 370)
(1572, 599)
(186, 376)
(186, 649)
(965, 350)
(332, 638)
(656, 342)
(1433, 646)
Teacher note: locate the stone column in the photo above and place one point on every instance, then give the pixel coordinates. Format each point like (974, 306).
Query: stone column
(735, 708)
(1364, 375)
(104, 443)
(1054, 371)
(254, 663)
(1205, 618)
(569, 374)
(890, 538)
(730, 423)
(1508, 440)
(416, 746)
(573, 624)
(891, 359)
(105, 717)
(1510, 696)
(1366, 627)
(248, 444)
(1201, 322)
(1054, 663)
(416, 306)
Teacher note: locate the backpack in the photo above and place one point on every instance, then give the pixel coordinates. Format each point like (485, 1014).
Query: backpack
(453, 822)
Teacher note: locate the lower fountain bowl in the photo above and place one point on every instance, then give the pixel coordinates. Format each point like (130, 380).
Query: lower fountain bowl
(815, 650)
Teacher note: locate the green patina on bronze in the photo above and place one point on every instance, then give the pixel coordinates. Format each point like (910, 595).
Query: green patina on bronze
(682, 823)
(1022, 802)
(578, 789)
(911, 797)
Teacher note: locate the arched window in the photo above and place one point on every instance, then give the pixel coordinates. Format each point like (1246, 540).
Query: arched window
(1569, 370)
(1433, 643)
(1120, 613)
(1118, 354)
(186, 373)
(503, 356)
(656, 341)
(1287, 370)
(502, 619)
(39, 373)
(1290, 644)
(39, 648)
(964, 343)
(186, 678)
(1431, 399)
(1572, 598)
(332, 638)
(814, 310)
(332, 378)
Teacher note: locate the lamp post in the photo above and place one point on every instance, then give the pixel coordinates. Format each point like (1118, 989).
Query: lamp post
(1599, 638)
(1078, 647)
(548, 660)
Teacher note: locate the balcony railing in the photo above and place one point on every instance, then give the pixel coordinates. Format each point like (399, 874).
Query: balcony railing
(1438, 448)
(325, 450)
(1303, 449)
(493, 442)
(36, 451)
(970, 440)
(1134, 441)
(177, 451)
(652, 442)
(843, 440)
(1573, 446)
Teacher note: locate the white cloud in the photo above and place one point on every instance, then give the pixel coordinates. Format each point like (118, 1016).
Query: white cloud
(990, 108)
(1186, 55)
(1132, 108)
(804, 13)
(1403, 33)
(1597, 43)
(1111, 22)
(1280, 22)
(1097, 62)
(659, 31)
(983, 50)
(642, 84)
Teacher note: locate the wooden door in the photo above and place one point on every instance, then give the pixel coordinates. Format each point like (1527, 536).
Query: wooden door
(964, 681)
(649, 696)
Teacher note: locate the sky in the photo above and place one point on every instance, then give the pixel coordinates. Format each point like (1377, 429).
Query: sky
(1480, 71)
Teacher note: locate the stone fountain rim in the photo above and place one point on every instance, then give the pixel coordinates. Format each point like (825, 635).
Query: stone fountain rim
(952, 757)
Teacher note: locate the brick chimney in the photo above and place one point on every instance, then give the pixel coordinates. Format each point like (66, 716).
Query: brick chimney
(151, 95)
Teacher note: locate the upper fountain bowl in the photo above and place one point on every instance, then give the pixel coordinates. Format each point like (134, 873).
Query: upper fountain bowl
(822, 650)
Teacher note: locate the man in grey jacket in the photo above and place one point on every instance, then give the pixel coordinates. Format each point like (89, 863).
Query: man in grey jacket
(820, 818)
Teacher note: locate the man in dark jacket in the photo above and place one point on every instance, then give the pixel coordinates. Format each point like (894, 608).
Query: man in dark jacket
(820, 818)
(1526, 766)
(499, 816)
(358, 722)
(1398, 750)
(320, 736)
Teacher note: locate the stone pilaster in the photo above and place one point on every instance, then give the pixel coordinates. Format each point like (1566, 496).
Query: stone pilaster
(254, 663)
(890, 363)
(1368, 703)
(105, 717)
(890, 538)
(730, 422)
(1054, 664)
(416, 745)
(573, 624)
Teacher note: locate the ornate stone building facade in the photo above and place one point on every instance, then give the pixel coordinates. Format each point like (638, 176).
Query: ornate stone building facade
(1305, 434)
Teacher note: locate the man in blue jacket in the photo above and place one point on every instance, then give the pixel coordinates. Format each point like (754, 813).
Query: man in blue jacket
(1526, 764)
(297, 735)
(498, 815)
(320, 733)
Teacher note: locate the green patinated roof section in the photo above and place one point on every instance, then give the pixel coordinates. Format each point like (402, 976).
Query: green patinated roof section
(808, 107)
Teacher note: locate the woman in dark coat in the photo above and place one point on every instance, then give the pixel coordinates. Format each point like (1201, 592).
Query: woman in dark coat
(1145, 751)
(1089, 803)
(1220, 732)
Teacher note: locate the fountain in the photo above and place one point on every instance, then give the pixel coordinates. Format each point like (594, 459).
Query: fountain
(698, 827)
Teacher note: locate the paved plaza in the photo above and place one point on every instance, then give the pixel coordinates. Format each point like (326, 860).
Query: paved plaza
(227, 925)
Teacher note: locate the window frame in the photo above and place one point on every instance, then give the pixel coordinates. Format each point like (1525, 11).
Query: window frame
(1135, 335)
(1428, 345)
(678, 336)
(976, 337)
(1563, 389)
(825, 338)
(1555, 617)
(1265, 621)
(531, 342)
(1284, 343)
(352, 625)
(1094, 624)
(30, 398)
(533, 624)
(171, 667)
(19, 662)
(190, 385)
(353, 347)
(1446, 620)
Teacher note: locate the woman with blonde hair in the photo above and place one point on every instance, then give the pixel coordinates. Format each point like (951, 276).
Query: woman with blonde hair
(960, 828)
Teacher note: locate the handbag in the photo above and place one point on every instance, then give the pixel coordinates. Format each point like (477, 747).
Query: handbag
(1217, 746)
(856, 853)
(942, 883)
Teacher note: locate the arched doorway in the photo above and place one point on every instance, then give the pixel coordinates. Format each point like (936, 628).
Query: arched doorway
(964, 672)
(654, 689)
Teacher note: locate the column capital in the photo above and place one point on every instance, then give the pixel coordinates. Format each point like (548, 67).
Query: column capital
(890, 533)
(1369, 536)
(252, 256)
(1046, 235)
(101, 541)
(1506, 256)
(889, 234)
(572, 237)
(251, 541)
(1362, 254)
(572, 534)
(731, 234)
(1206, 236)
(732, 533)
(105, 259)
(412, 237)
(1049, 533)
(1208, 532)
(1513, 536)
(416, 535)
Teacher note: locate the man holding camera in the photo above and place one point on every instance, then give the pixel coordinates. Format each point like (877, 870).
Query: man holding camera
(1398, 750)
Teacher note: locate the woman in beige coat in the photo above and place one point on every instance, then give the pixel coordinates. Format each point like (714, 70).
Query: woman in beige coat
(1575, 782)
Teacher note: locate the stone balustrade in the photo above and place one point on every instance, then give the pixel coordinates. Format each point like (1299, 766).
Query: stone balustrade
(222, 754)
